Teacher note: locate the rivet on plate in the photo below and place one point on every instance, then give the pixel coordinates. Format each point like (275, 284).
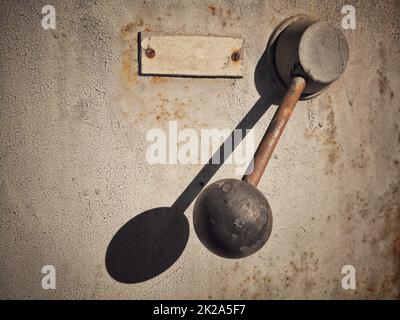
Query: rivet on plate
(150, 53)
(235, 56)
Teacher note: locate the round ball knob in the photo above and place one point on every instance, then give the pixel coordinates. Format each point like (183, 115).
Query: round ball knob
(232, 218)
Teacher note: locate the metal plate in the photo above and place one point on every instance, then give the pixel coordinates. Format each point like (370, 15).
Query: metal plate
(191, 56)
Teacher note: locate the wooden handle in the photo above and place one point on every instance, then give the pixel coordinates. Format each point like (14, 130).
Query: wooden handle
(274, 130)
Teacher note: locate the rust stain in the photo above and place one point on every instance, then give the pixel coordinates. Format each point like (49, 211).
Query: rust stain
(256, 283)
(236, 56)
(166, 110)
(131, 26)
(129, 71)
(325, 132)
(396, 245)
(212, 10)
(383, 53)
(384, 85)
(382, 209)
(128, 35)
(362, 159)
(236, 266)
(383, 82)
(224, 15)
(331, 130)
(158, 80)
(129, 62)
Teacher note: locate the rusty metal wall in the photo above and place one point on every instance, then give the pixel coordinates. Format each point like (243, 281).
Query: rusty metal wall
(73, 121)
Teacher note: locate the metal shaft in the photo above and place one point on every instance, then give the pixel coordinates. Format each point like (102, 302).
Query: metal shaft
(275, 129)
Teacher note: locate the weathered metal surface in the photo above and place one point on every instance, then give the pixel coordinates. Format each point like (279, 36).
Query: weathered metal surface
(192, 56)
(274, 130)
(74, 118)
(232, 218)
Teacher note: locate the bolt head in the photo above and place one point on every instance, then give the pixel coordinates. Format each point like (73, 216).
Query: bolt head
(150, 53)
(235, 56)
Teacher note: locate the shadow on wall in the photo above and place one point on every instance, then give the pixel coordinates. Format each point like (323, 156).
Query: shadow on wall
(151, 242)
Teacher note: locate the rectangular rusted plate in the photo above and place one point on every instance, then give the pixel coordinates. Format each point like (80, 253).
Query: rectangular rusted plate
(191, 56)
